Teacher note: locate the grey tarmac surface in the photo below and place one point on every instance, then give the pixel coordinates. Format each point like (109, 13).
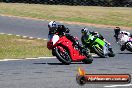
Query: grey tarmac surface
(50, 73)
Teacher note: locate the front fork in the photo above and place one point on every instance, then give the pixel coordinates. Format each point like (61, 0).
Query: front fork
(108, 48)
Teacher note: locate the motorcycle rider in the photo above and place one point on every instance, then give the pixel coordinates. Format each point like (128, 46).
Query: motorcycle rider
(61, 30)
(121, 37)
(118, 31)
(52, 29)
(96, 34)
(85, 34)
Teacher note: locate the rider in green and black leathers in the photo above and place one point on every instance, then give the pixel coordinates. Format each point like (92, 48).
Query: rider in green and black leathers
(90, 36)
(85, 34)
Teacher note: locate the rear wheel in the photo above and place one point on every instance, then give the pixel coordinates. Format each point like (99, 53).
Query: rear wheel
(88, 60)
(111, 53)
(129, 46)
(62, 56)
(99, 51)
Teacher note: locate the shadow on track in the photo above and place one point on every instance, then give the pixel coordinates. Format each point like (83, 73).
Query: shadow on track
(39, 63)
(55, 64)
(59, 63)
(64, 64)
(125, 53)
(98, 57)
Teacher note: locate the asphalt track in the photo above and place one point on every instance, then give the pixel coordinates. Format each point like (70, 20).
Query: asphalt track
(50, 73)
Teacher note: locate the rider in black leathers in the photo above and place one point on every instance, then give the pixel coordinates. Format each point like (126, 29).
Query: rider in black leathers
(62, 30)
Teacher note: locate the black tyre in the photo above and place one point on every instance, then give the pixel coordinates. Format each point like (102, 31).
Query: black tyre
(111, 54)
(62, 56)
(99, 51)
(88, 60)
(53, 53)
(129, 46)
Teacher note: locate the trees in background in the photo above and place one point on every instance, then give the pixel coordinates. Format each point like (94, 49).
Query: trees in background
(78, 2)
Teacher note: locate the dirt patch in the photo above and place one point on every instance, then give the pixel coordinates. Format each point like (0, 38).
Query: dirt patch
(77, 23)
(98, 25)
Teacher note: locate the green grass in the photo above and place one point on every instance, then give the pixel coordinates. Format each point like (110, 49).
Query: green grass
(17, 47)
(116, 16)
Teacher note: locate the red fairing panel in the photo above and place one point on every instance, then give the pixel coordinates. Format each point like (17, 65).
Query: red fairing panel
(75, 54)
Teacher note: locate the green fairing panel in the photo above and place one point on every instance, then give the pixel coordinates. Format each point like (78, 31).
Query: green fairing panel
(101, 42)
(92, 39)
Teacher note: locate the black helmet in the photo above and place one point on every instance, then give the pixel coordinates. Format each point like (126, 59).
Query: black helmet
(117, 30)
(84, 31)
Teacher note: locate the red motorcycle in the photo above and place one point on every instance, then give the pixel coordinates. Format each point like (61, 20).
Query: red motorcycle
(66, 52)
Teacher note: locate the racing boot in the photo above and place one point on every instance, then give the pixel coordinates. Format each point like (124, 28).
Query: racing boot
(122, 48)
(83, 50)
(79, 47)
(76, 43)
(110, 49)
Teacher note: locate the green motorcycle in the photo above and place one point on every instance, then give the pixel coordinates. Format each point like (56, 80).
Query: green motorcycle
(96, 45)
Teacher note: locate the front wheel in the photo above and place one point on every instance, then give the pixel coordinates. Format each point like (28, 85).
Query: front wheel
(62, 56)
(129, 46)
(99, 51)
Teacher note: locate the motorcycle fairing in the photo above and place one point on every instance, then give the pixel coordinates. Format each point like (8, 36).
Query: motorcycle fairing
(74, 54)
